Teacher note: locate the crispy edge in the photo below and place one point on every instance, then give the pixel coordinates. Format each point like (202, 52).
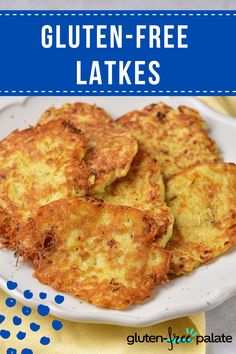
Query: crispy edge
(161, 110)
(181, 263)
(109, 168)
(10, 222)
(127, 296)
(93, 113)
(76, 178)
(105, 170)
(160, 212)
(9, 226)
(158, 113)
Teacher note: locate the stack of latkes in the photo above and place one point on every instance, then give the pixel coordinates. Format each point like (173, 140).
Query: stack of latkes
(108, 209)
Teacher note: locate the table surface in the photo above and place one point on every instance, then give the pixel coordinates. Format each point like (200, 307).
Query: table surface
(222, 318)
(118, 4)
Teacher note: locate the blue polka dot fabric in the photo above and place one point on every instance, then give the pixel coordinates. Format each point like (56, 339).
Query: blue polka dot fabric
(18, 319)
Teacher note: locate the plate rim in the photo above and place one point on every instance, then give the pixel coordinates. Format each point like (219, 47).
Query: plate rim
(122, 319)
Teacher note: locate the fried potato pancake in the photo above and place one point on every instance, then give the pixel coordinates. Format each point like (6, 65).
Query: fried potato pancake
(177, 138)
(78, 112)
(104, 254)
(111, 148)
(39, 165)
(143, 188)
(203, 202)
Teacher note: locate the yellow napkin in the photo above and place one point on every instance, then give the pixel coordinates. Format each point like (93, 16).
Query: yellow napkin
(79, 338)
(225, 105)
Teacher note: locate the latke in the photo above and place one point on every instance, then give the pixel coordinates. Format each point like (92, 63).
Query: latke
(39, 165)
(111, 148)
(143, 188)
(177, 138)
(105, 254)
(203, 202)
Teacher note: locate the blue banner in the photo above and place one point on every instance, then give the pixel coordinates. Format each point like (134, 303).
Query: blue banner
(117, 53)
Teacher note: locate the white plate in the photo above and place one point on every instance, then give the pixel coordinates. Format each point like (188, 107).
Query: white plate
(206, 287)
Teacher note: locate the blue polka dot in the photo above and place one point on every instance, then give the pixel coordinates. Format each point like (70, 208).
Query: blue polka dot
(10, 302)
(45, 340)
(28, 294)
(59, 299)
(34, 327)
(43, 310)
(42, 296)
(11, 351)
(16, 320)
(11, 285)
(2, 318)
(21, 335)
(26, 310)
(57, 325)
(26, 351)
(5, 334)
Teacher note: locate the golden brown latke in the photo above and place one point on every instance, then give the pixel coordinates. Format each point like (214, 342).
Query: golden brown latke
(77, 112)
(143, 188)
(203, 201)
(39, 165)
(111, 148)
(177, 138)
(102, 253)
